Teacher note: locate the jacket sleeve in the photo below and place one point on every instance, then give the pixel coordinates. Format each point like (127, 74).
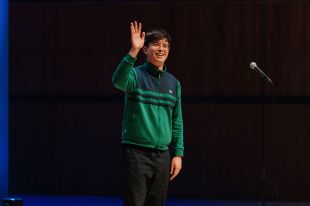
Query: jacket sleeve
(124, 77)
(177, 126)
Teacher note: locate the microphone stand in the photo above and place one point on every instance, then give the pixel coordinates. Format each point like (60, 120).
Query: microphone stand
(263, 141)
(263, 166)
(263, 78)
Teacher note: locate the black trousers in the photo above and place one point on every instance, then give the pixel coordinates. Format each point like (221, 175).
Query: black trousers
(146, 175)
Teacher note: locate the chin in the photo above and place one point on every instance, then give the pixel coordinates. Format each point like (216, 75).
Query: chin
(158, 64)
(161, 61)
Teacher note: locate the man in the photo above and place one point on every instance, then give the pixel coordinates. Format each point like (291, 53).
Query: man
(152, 119)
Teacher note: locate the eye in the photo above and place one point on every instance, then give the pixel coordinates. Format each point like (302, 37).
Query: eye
(156, 44)
(165, 46)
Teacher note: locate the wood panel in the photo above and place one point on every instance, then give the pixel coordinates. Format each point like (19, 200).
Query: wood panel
(65, 145)
(68, 48)
(65, 148)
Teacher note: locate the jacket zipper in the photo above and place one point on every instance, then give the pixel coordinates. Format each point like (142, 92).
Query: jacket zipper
(158, 126)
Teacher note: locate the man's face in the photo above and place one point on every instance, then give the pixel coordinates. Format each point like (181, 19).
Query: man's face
(157, 52)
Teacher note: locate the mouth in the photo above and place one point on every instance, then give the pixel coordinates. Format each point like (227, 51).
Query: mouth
(160, 55)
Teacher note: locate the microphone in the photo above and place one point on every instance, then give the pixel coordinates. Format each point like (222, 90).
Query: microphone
(254, 67)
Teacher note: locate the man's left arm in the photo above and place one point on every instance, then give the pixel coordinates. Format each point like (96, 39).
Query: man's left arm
(177, 137)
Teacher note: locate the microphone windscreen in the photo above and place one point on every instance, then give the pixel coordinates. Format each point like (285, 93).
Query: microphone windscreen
(253, 65)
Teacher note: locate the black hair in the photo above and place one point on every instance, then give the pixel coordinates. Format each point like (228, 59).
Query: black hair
(155, 35)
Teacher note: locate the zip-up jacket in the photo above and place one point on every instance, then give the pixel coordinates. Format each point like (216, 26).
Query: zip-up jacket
(152, 116)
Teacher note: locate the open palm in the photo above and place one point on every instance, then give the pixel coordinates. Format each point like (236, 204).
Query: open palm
(137, 38)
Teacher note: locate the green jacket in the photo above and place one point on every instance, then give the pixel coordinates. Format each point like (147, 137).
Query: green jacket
(153, 115)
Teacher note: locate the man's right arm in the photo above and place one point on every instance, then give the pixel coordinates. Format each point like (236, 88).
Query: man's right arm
(124, 77)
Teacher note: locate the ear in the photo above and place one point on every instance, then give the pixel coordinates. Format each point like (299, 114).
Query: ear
(145, 49)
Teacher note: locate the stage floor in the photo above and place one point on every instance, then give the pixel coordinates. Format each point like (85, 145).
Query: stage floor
(116, 201)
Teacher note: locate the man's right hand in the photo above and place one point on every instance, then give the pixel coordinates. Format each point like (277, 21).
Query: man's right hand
(137, 38)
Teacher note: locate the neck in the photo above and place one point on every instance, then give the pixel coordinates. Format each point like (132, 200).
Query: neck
(159, 65)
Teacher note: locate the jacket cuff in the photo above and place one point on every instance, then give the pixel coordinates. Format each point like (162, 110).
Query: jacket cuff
(179, 152)
(130, 59)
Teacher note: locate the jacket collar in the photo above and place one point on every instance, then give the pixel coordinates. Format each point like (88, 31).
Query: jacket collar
(153, 70)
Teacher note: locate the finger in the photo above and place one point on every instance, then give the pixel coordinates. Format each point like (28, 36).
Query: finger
(136, 26)
(143, 35)
(132, 29)
(140, 28)
(172, 176)
(171, 169)
(175, 173)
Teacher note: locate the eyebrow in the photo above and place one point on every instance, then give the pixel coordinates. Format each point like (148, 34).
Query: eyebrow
(158, 42)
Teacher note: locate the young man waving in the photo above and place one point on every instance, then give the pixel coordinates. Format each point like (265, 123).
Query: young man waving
(152, 119)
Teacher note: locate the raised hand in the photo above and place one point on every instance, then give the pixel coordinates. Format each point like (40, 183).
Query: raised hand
(137, 38)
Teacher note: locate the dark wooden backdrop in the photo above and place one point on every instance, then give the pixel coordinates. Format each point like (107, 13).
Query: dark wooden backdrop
(65, 115)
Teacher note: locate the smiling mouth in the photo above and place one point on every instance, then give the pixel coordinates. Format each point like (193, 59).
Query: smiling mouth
(160, 55)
